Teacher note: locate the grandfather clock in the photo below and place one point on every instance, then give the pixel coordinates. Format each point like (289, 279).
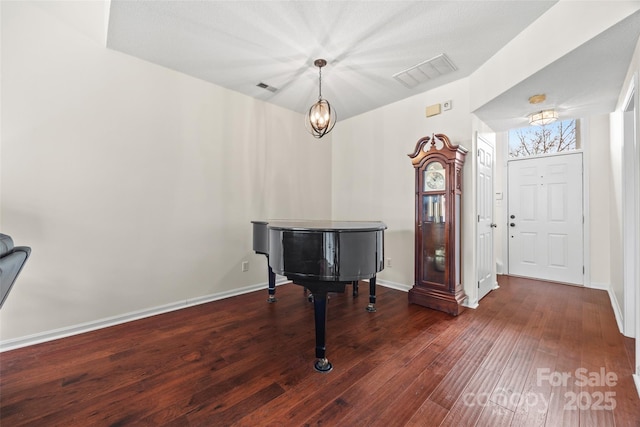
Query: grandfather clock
(438, 165)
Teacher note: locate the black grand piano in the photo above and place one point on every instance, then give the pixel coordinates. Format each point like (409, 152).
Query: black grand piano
(322, 256)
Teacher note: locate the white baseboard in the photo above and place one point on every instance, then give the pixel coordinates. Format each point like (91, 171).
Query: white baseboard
(473, 305)
(394, 285)
(601, 286)
(614, 302)
(54, 334)
(616, 310)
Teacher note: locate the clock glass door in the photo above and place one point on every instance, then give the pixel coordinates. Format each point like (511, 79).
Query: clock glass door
(433, 238)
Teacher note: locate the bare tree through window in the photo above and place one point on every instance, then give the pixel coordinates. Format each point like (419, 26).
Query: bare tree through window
(535, 140)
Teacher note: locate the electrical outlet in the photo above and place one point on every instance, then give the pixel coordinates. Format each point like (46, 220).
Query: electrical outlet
(245, 266)
(388, 262)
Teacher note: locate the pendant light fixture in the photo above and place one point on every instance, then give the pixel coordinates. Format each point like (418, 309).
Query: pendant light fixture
(321, 117)
(543, 117)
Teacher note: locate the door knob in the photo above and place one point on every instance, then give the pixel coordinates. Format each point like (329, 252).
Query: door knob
(513, 224)
(512, 217)
(493, 225)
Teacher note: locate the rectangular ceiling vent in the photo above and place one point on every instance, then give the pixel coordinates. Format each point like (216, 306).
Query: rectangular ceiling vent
(267, 87)
(425, 71)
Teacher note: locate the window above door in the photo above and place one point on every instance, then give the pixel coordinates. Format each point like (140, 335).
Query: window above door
(560, 136)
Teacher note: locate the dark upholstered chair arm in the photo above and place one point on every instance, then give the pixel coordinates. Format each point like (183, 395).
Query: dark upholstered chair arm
(12, 259)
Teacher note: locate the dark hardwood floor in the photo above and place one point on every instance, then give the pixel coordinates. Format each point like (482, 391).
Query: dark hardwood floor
(533, 354)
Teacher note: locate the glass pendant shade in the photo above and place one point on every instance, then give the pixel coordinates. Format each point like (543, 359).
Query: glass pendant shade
(543, 118)
(321, 117)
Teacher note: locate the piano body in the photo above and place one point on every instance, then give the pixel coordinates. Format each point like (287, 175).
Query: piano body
(322, 256)
(261, 246)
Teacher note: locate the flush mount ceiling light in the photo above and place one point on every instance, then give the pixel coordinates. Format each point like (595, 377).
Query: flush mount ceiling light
(321, 117)
(543, 117)
(537, 99)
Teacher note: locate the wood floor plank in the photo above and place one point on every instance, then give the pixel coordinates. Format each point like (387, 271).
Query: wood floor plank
(457, 379)
(512, 381)
(495, 416)
(533, 405)
(429, 414)
(562, 388)
(473, 400)
(244, 362)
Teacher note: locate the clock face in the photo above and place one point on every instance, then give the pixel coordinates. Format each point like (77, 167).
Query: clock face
(434, 180)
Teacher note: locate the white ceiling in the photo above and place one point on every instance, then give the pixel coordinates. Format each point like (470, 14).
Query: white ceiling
(238, 44)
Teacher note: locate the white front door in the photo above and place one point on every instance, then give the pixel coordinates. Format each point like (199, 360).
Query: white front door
(546, 219)
(485, 271)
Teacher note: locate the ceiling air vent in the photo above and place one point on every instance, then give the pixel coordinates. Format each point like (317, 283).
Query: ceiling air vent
(267, 87)
(425, 71)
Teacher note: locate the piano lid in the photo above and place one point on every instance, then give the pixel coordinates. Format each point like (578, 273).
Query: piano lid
(326, 225)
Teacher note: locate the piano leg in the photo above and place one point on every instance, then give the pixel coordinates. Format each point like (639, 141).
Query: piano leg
(372, 295)
(272, 284)
(320, 292)
(320, 314)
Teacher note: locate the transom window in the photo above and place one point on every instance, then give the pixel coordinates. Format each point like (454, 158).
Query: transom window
(551, 138)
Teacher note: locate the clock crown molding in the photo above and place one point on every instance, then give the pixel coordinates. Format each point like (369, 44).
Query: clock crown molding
(448, 150)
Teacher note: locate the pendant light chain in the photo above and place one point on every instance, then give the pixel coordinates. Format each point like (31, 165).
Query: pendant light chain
(320, 83)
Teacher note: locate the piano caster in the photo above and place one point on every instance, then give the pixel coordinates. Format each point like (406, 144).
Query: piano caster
(323, 365)
(272, 284)
(371, 308)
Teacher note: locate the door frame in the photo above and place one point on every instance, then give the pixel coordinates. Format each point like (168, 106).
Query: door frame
(582, 128)
(630, 209)
(490, 139)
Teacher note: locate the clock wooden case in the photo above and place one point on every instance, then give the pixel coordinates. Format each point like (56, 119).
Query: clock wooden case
(438, 165)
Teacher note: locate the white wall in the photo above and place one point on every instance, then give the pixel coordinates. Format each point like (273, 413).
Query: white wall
(597, 160)
(373, 177)
(615, 213)
(134, 185)
(500, 185)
